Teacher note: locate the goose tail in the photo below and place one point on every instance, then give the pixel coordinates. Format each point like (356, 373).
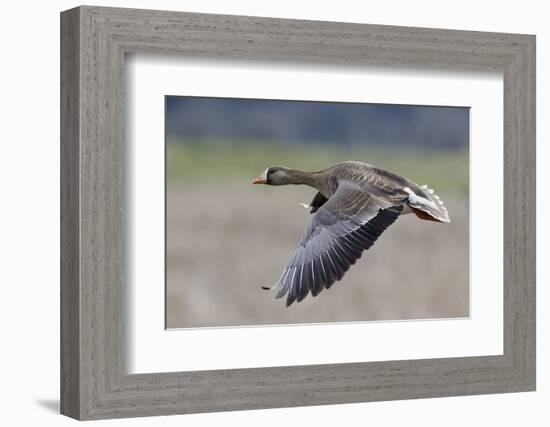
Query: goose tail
(427, 205)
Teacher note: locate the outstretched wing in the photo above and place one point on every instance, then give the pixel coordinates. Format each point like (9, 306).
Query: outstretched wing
(341, 229)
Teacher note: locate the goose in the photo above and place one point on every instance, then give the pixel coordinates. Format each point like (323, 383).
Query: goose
(354, 204)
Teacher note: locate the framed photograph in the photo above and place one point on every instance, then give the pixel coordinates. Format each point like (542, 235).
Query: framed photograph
(261, 213)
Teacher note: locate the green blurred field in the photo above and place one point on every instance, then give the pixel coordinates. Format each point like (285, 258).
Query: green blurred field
(192, 161)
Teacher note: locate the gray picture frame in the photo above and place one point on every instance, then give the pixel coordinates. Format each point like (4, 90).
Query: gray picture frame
(94, 381)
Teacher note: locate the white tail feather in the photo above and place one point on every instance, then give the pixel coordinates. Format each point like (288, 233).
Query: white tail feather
(433, 205)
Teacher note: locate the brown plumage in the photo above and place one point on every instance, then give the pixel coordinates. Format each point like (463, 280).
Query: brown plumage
(355, 203)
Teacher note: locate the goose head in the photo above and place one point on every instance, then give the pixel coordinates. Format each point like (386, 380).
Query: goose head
(275, 175)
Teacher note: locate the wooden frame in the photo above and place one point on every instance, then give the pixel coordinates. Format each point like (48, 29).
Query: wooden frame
(94, 41)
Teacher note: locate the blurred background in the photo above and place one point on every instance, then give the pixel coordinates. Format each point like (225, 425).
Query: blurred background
(226, 237)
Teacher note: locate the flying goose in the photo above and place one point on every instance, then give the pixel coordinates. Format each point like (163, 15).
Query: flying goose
(355, 203)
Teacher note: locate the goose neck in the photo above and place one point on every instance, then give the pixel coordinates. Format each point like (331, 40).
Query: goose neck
(303, 178)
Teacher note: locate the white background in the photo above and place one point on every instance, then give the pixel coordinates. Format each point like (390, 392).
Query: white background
(152, 349)
(29, 213)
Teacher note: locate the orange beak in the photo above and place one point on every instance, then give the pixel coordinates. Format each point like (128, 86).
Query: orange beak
(260, 180)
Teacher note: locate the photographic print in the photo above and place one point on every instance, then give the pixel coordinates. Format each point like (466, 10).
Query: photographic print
(180, 291)
(289, 212)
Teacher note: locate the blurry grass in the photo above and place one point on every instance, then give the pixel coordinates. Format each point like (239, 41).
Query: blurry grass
(193, 161)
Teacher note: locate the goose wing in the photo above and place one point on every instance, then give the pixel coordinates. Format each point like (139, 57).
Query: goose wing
(341, 229)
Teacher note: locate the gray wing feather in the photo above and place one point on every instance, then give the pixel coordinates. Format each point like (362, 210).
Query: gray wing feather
(341, 229)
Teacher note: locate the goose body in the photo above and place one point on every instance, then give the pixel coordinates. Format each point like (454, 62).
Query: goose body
(355, 203)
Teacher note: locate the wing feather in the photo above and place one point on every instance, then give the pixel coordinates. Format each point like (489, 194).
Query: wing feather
(340, 230)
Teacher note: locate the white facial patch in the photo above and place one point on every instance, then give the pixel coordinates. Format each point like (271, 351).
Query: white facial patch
(264, 174)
